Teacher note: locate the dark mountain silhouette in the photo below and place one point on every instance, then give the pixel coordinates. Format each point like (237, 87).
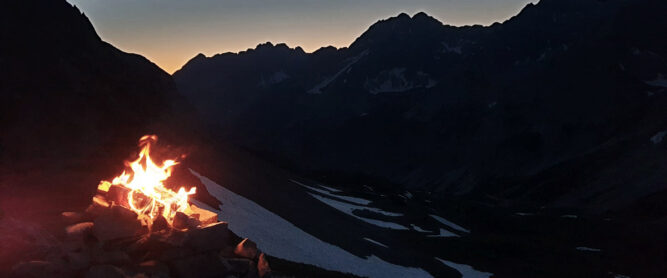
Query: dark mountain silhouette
(67, 95)
(561, 104)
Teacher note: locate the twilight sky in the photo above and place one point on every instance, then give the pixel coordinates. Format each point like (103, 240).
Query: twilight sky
(170, 32)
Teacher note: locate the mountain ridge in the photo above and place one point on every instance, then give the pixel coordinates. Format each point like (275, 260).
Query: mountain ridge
(450, 109)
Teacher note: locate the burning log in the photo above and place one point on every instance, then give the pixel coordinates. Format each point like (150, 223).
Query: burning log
(204, 216)
(135, 227)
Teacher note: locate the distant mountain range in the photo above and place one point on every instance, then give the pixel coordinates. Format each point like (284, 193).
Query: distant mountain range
(563, 103)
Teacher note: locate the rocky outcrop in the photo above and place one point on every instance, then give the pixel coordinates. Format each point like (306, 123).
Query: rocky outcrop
(117, 243)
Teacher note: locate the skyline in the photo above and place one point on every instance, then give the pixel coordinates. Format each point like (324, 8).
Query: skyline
(171, 32)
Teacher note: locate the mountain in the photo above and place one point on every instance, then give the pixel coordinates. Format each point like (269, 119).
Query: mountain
(411, 103)
(559, 105)
(71, 109)
(66, 95)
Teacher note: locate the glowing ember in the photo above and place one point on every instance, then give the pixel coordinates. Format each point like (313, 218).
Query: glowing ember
(148, 195)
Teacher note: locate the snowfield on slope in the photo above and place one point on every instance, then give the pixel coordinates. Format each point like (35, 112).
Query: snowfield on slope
(278, 237)
(349, 210)
(466, 270)
(450, 224)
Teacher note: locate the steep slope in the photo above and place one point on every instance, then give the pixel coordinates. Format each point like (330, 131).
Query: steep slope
(66, 94)
(473, 109)
(71, 109)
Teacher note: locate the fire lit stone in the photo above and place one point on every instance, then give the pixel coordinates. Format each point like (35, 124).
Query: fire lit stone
(135, 227)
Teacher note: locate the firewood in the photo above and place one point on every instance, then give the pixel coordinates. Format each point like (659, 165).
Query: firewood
(204, 216)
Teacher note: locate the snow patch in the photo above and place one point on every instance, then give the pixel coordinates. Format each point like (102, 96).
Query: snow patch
(375, 242)
(431, 83)
(616, 275)
(395, 81)
(312, 188)
(657, 138)
(419, 229)
(583, 248)
(524, 213)
(446, 48)
(542, 56)
(318, 88)
(449, 224)
(278, 237)
(358, 201)
(465, 270)
(331, 189)
(659, 81)
(444, 233)
(571, 216)
(278, 77)
(349, 209)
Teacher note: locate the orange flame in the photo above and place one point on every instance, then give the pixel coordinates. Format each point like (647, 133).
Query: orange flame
(148, 195)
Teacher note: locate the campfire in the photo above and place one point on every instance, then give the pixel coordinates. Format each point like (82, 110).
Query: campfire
(146, 193)
(138, 227)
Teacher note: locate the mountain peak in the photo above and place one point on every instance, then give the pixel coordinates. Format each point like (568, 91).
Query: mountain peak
(421, 14)
(400, 27)
(403, 16)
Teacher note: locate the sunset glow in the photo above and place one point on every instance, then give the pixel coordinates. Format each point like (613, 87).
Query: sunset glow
(169, 33)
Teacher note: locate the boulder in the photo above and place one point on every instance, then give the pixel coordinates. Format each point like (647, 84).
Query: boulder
(212, 237)
(159, 224)
(113, 257)
(263, 268)
(246, 249)
(175, 253)
(105, 271)
(180, 221)
(98, 207)
(151, 268)
(77, 260)
(238, 266)
(118, 222)
(80, 230)
(193, 223)
(207, 265)
(38, 269)
(70, 217)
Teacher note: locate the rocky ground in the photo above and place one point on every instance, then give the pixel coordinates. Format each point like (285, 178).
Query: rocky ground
(109, 240)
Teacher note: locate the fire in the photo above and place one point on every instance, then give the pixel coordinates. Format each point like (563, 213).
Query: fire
(147, 193)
